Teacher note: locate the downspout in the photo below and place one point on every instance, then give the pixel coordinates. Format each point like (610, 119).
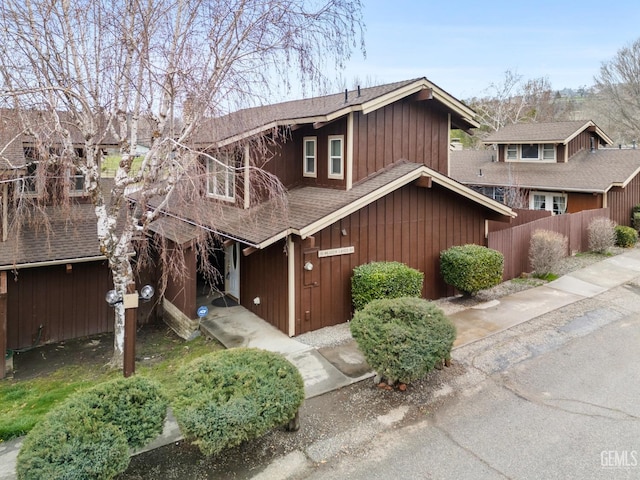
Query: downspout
(291, 285)
(5, 212)
(350, 146)
(247, 186)
(448, 143)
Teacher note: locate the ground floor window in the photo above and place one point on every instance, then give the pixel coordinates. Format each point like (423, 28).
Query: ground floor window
(550, 201)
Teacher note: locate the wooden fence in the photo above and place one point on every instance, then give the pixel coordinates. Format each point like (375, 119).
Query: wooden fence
(514, 242)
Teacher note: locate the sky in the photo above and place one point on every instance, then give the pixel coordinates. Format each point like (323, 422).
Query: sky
(464, 46)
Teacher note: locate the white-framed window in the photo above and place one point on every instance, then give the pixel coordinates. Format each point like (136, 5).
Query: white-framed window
(310, 157)
(76, 184)
(531, 152)
(221, 177)
(336, 156)
(551, 201)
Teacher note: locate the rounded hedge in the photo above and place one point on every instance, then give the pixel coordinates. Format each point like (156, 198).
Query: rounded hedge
(136, 405)
(626, 237)
(403, 339)
(471, 268)
(234, 395)
(71, 443)
(92, 433)
(378, 280)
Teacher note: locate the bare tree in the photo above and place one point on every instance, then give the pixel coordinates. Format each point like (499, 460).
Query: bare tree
(515, 100)
(98, 69)
(618, 86)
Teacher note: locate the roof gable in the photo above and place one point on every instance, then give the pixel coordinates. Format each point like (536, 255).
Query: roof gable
(245, 123)
(550, 132)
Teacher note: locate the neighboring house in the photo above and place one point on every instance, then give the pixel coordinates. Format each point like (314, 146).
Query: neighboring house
(53, 277)
(560, 167)
(367, 179)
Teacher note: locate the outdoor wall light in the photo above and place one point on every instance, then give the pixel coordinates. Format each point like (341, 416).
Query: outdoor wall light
(113, 298)
(308, 266)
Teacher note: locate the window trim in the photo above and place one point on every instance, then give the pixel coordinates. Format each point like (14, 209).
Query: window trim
(305, 157)
(340, 175)
(549, 198)
(516, 148)
(230, 176)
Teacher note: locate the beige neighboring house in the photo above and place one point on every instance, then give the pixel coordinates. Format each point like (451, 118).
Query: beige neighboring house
(560, 167)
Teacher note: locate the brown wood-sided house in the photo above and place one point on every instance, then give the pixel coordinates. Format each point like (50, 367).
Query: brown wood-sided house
(560, 167)
(53, 277)
(367, 179)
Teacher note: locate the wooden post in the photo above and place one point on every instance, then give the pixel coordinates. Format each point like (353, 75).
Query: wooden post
(130, 327)
(3, 323)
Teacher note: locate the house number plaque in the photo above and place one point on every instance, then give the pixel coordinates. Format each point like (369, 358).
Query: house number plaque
(332, 252)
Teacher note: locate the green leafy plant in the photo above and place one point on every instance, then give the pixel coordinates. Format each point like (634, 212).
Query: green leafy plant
(231, 396)
(403, 339)
(378, 280)
(471, 268)
(71, 442)
(602, 235)
(90, 435)
(626, 237)
(635, 217)
(546, 249)
(136, 405)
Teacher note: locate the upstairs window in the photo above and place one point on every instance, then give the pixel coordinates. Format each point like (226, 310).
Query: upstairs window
(336, 156)
(531, 152)
(221, 177)
(310, 155)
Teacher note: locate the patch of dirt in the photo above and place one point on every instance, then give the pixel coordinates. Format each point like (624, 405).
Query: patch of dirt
(94, 351)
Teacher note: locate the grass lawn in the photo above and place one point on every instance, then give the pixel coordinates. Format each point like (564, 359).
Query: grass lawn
(36, 389)
(110, 165)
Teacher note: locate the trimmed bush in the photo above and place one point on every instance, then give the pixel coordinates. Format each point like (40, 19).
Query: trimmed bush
(546, 249)
(602, 235)
(403, 339)
(91, 434)
(471, 268)
(626, 237)
(71, 443)
(635, 217)
(136, 405)
(231, 396)
(377, 280)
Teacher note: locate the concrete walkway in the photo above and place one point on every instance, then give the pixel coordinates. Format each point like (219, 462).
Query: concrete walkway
(326, 369)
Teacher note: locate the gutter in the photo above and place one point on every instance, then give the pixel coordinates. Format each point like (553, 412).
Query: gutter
(51, 263)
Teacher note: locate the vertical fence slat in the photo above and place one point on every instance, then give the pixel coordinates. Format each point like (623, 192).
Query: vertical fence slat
(513, 242)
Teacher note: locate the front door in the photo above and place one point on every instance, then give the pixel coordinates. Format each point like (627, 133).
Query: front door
(232, 271)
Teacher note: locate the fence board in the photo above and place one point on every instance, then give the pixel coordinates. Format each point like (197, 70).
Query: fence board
(513, 242)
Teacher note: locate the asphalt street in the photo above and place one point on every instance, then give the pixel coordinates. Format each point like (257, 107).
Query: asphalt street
(556, 402)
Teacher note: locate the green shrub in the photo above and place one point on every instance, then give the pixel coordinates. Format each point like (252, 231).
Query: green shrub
(471, 268)
(602, 235)
(136, 405)
(234, 395)
(635, 217)
(403, 339)
(546, 249)
(377, 280)
(90, 435)
(71, 443)
(626, 237)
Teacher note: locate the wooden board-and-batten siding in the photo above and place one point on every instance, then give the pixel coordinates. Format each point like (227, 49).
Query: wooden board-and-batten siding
(411, 225)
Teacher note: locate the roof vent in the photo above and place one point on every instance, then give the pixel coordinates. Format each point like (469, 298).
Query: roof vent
(358, 90)
(346, 95)
(480, 173)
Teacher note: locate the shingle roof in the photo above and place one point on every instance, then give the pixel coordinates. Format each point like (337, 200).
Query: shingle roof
(305, 211)
(551, 132)
(317, 109)
(587, 171)
(70, 236)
